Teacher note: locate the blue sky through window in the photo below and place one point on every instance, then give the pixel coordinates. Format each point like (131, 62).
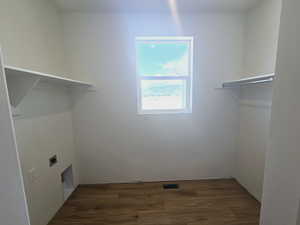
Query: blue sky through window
(163, 59)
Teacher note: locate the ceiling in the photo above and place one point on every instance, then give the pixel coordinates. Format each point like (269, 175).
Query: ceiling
(152, 6)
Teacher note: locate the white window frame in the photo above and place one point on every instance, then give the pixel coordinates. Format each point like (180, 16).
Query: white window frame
(188, 78)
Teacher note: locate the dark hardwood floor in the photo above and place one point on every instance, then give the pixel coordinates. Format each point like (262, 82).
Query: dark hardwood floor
(209, 202)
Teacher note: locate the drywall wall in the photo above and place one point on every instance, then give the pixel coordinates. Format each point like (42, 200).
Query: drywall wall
(282, 184)
(117, 145)
(43, 130)
(31, 36)
(262, 29)
(261, 38)
(253, 139)
(13, 209)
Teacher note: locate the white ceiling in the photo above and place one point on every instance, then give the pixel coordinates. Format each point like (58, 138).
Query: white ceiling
(144, 6)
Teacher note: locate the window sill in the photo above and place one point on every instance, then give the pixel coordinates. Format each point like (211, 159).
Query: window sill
(163, 112)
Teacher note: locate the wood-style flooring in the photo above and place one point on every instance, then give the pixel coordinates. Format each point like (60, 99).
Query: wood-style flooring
(208, 202)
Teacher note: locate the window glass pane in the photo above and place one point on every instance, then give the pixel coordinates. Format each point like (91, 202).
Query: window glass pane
(163, 94)
(163, 58)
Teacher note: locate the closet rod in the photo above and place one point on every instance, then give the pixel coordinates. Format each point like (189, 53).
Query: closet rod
(250, 80)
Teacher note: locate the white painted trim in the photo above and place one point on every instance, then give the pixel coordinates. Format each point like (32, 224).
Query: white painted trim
(153, 112)
(166, 180)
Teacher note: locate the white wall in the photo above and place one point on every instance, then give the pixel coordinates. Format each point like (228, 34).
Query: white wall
(31, 36)
(282, 184)
(45, 129)
(261, 38)
(253, 137)
(13, 210)
(262, 30)
(117, 145)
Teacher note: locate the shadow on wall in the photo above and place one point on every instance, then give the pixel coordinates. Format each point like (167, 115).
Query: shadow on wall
(45, 99)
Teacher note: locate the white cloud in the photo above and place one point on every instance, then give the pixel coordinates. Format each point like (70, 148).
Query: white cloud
(178, 67)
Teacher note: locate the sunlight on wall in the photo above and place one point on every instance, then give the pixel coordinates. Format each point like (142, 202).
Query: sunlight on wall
(175, 14)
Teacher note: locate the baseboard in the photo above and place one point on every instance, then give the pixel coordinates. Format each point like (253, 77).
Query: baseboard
(158, 181)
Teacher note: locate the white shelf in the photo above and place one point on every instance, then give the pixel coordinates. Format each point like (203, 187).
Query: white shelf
(14, 71)
(21, 81)
(249, 80)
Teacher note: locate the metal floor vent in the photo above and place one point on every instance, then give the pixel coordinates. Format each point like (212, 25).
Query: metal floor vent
(170, 186)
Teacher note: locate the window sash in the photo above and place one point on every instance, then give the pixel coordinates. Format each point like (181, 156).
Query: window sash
(188, 96)
(188, 78)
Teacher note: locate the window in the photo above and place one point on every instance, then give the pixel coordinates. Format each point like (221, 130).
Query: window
(164, 74)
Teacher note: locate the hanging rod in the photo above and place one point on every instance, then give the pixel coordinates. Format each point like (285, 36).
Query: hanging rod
(249, 80)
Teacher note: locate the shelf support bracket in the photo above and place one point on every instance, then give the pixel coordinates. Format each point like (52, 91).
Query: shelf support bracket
(19, 87)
